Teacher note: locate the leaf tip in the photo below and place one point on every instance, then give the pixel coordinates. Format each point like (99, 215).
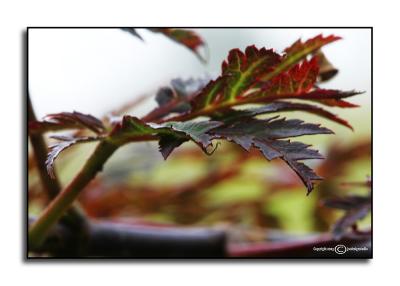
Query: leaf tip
(209, 153)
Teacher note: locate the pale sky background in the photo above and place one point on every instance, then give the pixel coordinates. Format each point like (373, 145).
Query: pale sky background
(96, 70)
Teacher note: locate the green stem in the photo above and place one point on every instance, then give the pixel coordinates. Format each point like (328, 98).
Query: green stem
(64, 200)
(75, 216)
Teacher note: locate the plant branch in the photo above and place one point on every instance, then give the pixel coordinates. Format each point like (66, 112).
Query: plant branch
(157, 114)
(113, 239)
(64, 200)
(75, 217)
(51, 185)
